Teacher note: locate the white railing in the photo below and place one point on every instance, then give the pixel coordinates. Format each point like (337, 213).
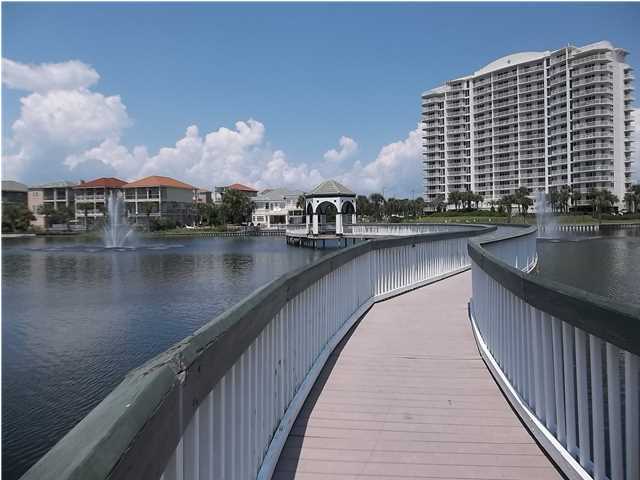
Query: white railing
(567, 361)
(220, 404)
(300, 229)
(371, 230)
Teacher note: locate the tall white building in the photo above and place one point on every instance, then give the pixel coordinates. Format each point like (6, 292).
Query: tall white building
(535, 119)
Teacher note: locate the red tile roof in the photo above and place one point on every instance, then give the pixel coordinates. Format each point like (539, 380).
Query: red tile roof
(159, 181)
(103, 182)
(241, 188)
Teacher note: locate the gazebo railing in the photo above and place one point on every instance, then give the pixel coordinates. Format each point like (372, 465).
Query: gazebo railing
(220, 404)
(566, 359)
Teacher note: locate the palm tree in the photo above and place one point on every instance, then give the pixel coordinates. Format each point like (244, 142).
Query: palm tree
(454, 199)
(630, 201)
(523, 201)
(602, 200)
(377, 205)
(507, 202)
(418, 207)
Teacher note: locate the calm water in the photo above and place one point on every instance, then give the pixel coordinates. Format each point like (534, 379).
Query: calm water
(605, 262)
(76, 319)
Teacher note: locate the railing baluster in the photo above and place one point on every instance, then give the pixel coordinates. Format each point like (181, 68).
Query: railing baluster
(582, 395)
(615, 419)
(548, 372)
(558, 369)
(597, 407)
(568, 342)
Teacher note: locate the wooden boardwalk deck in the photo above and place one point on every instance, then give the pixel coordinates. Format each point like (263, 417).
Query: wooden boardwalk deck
(407, 395)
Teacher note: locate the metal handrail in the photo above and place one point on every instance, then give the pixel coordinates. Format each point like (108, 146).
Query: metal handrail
(548, 346)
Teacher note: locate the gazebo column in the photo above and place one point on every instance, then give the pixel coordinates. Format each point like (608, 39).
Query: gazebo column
(353, 219)
(316, 229)
(339, 229)
(308, 222)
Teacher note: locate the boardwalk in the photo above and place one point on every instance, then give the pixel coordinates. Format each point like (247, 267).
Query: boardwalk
(406, 395)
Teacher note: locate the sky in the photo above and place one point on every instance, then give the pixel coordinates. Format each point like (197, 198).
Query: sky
(268, 95)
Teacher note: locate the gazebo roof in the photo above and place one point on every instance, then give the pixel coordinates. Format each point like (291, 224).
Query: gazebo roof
(331, 188)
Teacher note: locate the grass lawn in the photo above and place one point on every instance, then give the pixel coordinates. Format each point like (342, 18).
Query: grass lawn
(563, 219)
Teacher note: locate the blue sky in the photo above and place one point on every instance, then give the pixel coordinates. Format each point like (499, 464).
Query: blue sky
(308, 73)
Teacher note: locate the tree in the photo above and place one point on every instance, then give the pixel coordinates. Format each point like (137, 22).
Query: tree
(300, 203)
(507, 202)
(46, 210)
(454, 199)
(554, 201)
(237, 207)
(564, 195)
(16, 218)
(440, 203)
(148, 208)
(601, 200)
(523, 201)
(85, 210)
(363, 206)
(418, 207)
(377, 205)
(632, 199)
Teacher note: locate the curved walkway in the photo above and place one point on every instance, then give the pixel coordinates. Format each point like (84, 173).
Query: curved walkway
(407, 395)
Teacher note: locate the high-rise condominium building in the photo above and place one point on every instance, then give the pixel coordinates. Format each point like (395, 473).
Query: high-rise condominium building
(540, 120)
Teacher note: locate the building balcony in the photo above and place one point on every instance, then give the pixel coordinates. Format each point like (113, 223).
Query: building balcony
(585, 125)
(533, 88)
(592, 146)
(532, 108)
(586, 71)
(527, 79)
(601, 157)
(593, 135)
(530, 118)
(596, 57)
(592, 80)
(593, 113)
(600, 167)
(586, 92)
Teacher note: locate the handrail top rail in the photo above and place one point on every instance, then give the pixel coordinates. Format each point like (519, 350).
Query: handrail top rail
(614, 322)
(124, 426)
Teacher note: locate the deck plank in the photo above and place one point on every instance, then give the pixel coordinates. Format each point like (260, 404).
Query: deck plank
(407, 395)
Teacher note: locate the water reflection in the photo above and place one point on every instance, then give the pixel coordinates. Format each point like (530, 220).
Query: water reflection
(76, 318)
(606, 263)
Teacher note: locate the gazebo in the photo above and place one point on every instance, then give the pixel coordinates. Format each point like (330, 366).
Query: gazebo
(330, 200)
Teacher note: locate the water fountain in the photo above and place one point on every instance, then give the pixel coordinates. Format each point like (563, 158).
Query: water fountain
(116, 229)
(547, 224)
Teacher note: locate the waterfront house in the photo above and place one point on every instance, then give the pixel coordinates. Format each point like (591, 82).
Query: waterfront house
(158, 197)
(202, 195)
(56, 194)
(91, 197)
(277, 207)
(220, 191)
(14, 193)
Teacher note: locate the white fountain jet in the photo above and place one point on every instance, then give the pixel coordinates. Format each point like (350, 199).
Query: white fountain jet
(547, 224)
(116, 229)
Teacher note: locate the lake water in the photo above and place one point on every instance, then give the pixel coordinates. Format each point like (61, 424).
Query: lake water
(76, 318)
(606, 263)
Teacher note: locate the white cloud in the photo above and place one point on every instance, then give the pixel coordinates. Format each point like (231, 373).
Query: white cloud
(396, 169)
(347, 148)
(48, 76)
(66, 131)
